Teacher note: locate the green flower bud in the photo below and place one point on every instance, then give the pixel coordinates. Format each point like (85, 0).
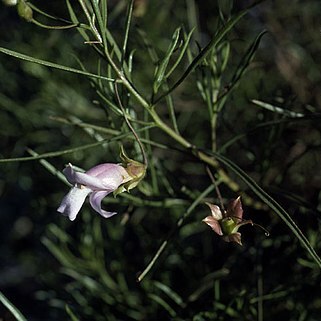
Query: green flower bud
(24, 11)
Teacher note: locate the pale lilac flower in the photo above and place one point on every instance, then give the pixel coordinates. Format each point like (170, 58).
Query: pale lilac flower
(97, 182)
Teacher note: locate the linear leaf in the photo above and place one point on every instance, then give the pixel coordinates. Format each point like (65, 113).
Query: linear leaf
(163, 304)
(247, 58)
(53, 154)
(159, 76)
(128, 23)
(169, 292)
(276, 109)
(51, 64)
(181, 54)
(15, 312)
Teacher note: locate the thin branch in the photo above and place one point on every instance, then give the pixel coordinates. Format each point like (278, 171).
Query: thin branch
(145, 160)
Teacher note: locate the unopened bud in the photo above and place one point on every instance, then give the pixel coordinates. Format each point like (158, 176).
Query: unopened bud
(24, 11)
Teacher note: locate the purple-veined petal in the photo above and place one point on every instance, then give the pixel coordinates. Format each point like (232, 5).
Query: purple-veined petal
(101, 177)
(95, 201)
(216, 211)
(214, 224)
(73, 201)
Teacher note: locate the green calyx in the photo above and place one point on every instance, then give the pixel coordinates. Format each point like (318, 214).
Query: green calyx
(135, 170)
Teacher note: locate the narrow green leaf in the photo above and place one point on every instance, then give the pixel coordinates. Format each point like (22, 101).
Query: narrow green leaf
(53, 154)
(128, 23)
(247, 58)
(172, 114)
(159, 75)
(51, 64)
(81, 124)
(163, 304)
(104, 12)
(64, 257)
(114, 45)
(71, 313)
(15, 312)
(169, 292)
(181, 54)
(277, 110)
(243, 65)
(225, 55)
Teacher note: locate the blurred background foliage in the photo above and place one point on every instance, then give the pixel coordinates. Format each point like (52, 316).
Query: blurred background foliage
(53, 269)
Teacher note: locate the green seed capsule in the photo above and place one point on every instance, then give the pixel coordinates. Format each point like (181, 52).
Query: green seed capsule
(228, 225)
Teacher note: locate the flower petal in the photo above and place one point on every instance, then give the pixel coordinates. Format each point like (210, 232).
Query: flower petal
(95, 201)
(235, 237)
(214, 224)
(234, 208)
(108, 177)
(73, 201)
(216, 211)
(111, 174)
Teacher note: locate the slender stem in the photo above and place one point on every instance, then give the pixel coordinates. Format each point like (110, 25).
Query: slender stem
(74, 25)
(216, 187)
(145, 159)
(213, 131)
